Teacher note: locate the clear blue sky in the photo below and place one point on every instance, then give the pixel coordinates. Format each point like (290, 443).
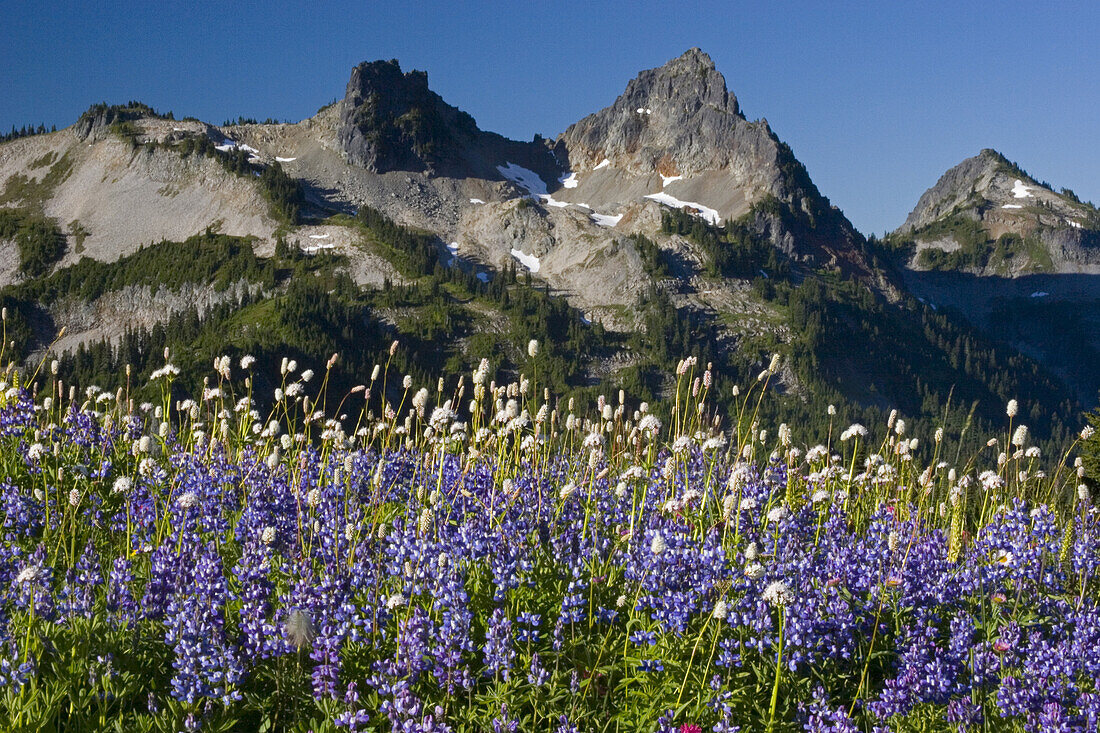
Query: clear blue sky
(875, 98)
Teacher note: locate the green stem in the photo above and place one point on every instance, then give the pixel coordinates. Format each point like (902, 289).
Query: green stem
(778, 674)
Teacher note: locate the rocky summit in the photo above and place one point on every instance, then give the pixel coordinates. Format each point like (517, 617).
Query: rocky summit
(676, 120)
(987, 202)
(391, 120)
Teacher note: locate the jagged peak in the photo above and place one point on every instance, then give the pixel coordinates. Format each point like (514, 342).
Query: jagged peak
(678, 118)
(693, 56)
(391, 120)
(690, 79)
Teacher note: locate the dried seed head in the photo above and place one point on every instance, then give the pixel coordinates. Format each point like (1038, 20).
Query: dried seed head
(299, 629)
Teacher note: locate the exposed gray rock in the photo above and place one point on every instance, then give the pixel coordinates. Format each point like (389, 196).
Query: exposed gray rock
(391, 120)
(678, 119)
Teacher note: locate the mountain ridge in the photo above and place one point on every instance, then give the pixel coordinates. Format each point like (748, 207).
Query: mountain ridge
(666, 220)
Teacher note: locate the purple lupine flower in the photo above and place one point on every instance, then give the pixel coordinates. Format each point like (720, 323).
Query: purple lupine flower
(325, 674)
(499, 654)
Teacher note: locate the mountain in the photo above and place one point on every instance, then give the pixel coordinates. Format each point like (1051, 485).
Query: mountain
(986, 215)
(663, 225)
(676, 135)
(1017, 259)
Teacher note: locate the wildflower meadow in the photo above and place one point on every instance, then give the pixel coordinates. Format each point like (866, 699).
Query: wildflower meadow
(473, 556)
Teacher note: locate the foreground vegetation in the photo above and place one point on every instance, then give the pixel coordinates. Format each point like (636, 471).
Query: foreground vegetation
(478, 556)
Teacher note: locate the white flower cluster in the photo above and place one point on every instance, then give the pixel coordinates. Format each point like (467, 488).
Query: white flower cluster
(778, 594)
(855, 430)
(168, 371)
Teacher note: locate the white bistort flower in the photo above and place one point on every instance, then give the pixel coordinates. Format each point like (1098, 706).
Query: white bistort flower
(855, 430)
(28, 574)
(778, 594)
(168, 371)
(778, 514)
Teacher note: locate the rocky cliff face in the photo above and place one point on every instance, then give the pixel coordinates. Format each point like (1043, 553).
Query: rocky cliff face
(392, 121)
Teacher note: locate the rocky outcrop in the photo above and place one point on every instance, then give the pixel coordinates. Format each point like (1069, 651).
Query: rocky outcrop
(678, 119)
(391, 121)
(98, 119)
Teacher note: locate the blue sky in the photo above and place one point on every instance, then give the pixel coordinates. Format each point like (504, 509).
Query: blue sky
(876, 98)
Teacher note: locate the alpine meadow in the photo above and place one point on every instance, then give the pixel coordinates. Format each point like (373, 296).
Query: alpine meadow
(379, 421)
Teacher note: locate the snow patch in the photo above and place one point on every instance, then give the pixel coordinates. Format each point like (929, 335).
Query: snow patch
(585, 319)
(708, 214)
(523, 178)
(248, 149)
(313, 249)
(1012, 206)
(226, 146)
(644, 111)
(551, 201)
(665, 180)
(318, 236)
(284, 160)
(476, 201)
(483, 277)
(453, 248)
(1074, 224)
(606, 220)
(1020, 191)
(569, 181)
(602, 164)
(1040, 294)
(529, 261)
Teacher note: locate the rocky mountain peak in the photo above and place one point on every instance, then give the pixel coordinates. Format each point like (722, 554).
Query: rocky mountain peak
(689, 81)
(391, 120)
(677, 119)
(988, 186)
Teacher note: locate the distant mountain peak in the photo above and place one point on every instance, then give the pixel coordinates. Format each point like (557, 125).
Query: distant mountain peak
(678, 118)
(983, 180)
(987, 215)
